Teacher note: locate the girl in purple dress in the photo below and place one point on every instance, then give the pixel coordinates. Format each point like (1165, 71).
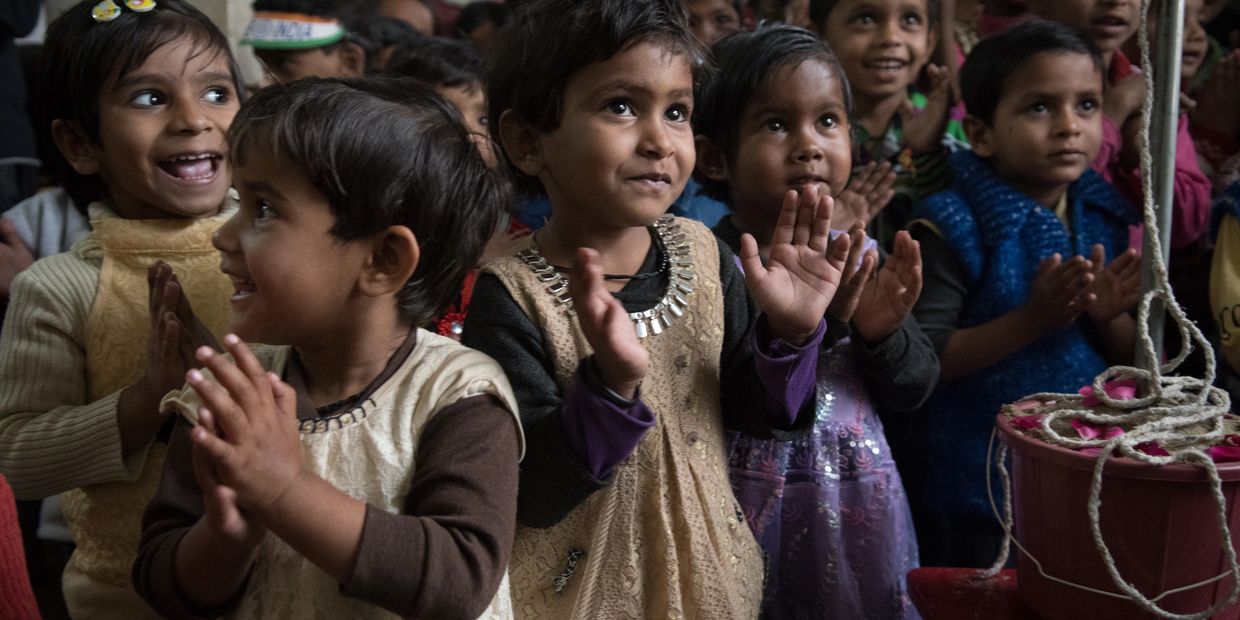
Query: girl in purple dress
(827, 506)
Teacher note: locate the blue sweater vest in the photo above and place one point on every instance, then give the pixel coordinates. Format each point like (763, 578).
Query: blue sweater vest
(999, 236)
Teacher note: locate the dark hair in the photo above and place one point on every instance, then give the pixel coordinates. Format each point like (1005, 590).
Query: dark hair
(744, 64)
(383, 151)
(81, 55)
(380, 31)
(478, 13)
(983, 79)
(820, 10)
(548, 41)
(438, 61)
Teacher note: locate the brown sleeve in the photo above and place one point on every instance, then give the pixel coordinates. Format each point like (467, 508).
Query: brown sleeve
(445, 555)
(175, 508)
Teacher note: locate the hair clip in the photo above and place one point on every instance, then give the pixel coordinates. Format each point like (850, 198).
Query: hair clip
(105, 11)
(108, 10)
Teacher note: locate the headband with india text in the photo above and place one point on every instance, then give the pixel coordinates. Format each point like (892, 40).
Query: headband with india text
(291, 31)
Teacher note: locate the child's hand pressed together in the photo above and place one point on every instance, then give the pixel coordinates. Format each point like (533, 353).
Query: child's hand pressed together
(858, 269)
(1060, 292)
(256, 449)
(621, 358)
(176, 332)
(801, 277)
(923, 130)
(889, 296)
(224, 516)
(868, 191)
(1116, 287)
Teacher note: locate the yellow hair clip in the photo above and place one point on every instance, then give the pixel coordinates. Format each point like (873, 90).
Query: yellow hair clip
(140, 6)
(105, 11)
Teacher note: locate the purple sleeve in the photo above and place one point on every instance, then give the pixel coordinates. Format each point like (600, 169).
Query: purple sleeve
(787, 373)
(600, 430)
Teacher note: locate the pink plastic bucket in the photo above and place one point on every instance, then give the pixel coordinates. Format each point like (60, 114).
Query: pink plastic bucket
(1160, 523)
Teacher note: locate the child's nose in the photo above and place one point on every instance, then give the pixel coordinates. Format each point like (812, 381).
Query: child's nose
(807, 148)
(189, 117)
(656, 142)
(225, 237)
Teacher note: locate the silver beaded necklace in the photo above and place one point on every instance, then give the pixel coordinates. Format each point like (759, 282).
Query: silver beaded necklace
(654, 321)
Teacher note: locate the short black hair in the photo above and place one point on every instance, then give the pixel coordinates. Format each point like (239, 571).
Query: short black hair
(383, 151)
(439, 62)
(384, 31)
(820, 10)
(744, 64)
(478, 13)
(548, 41)
(984, 76)
(81, 55)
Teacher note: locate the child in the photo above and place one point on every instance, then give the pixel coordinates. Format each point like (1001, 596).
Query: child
(1011, 302)
(712, 20)
(296, 39)
(455, 70)
(479, 21)
(1108, 24)
(138, 104)
(829, 509)
(624, 500)
(374, 467)
(1224, 288)
(884, 45)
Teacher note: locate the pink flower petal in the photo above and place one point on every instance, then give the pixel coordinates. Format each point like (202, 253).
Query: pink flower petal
(1090, 400)
(1090, 451)
(1124, 389)
(1112, 432)
(1086, 430)
(1152, 448)
(1027, 422)
(1224, 454)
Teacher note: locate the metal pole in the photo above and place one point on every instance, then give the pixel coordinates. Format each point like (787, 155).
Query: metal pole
(1163, 125)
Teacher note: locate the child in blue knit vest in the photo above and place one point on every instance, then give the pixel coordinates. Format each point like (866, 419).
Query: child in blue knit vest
(1018, 294)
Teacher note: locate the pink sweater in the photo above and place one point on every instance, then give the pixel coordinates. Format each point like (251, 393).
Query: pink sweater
(1190, 215)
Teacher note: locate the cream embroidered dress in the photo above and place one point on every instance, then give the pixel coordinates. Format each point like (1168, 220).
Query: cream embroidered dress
(664, 539)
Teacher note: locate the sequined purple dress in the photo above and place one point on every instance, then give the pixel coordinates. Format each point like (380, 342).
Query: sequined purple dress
(828, 508)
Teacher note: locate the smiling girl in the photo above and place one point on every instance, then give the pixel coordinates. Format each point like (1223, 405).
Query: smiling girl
(138, 103)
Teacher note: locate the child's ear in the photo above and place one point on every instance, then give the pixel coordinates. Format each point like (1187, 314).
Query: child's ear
(352, 59)
(522, 143)
(79, 150)
(979, 135)
(393, 259)
(711, 161)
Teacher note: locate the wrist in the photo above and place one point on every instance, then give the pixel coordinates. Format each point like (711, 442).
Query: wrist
(872, 333)
(274, 507)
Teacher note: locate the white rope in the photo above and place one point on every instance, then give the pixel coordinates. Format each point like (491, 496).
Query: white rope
(1183, 415)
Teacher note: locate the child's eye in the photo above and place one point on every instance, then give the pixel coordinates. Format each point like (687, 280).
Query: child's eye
(677, 113)
(148, 99)
(773, 125)
(1039, 108)
(484, 121)
(263, 211)
(912, 19)
(218, 96)
(620, 107)
(1089, 105)
(864, 19)
(829, 121)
